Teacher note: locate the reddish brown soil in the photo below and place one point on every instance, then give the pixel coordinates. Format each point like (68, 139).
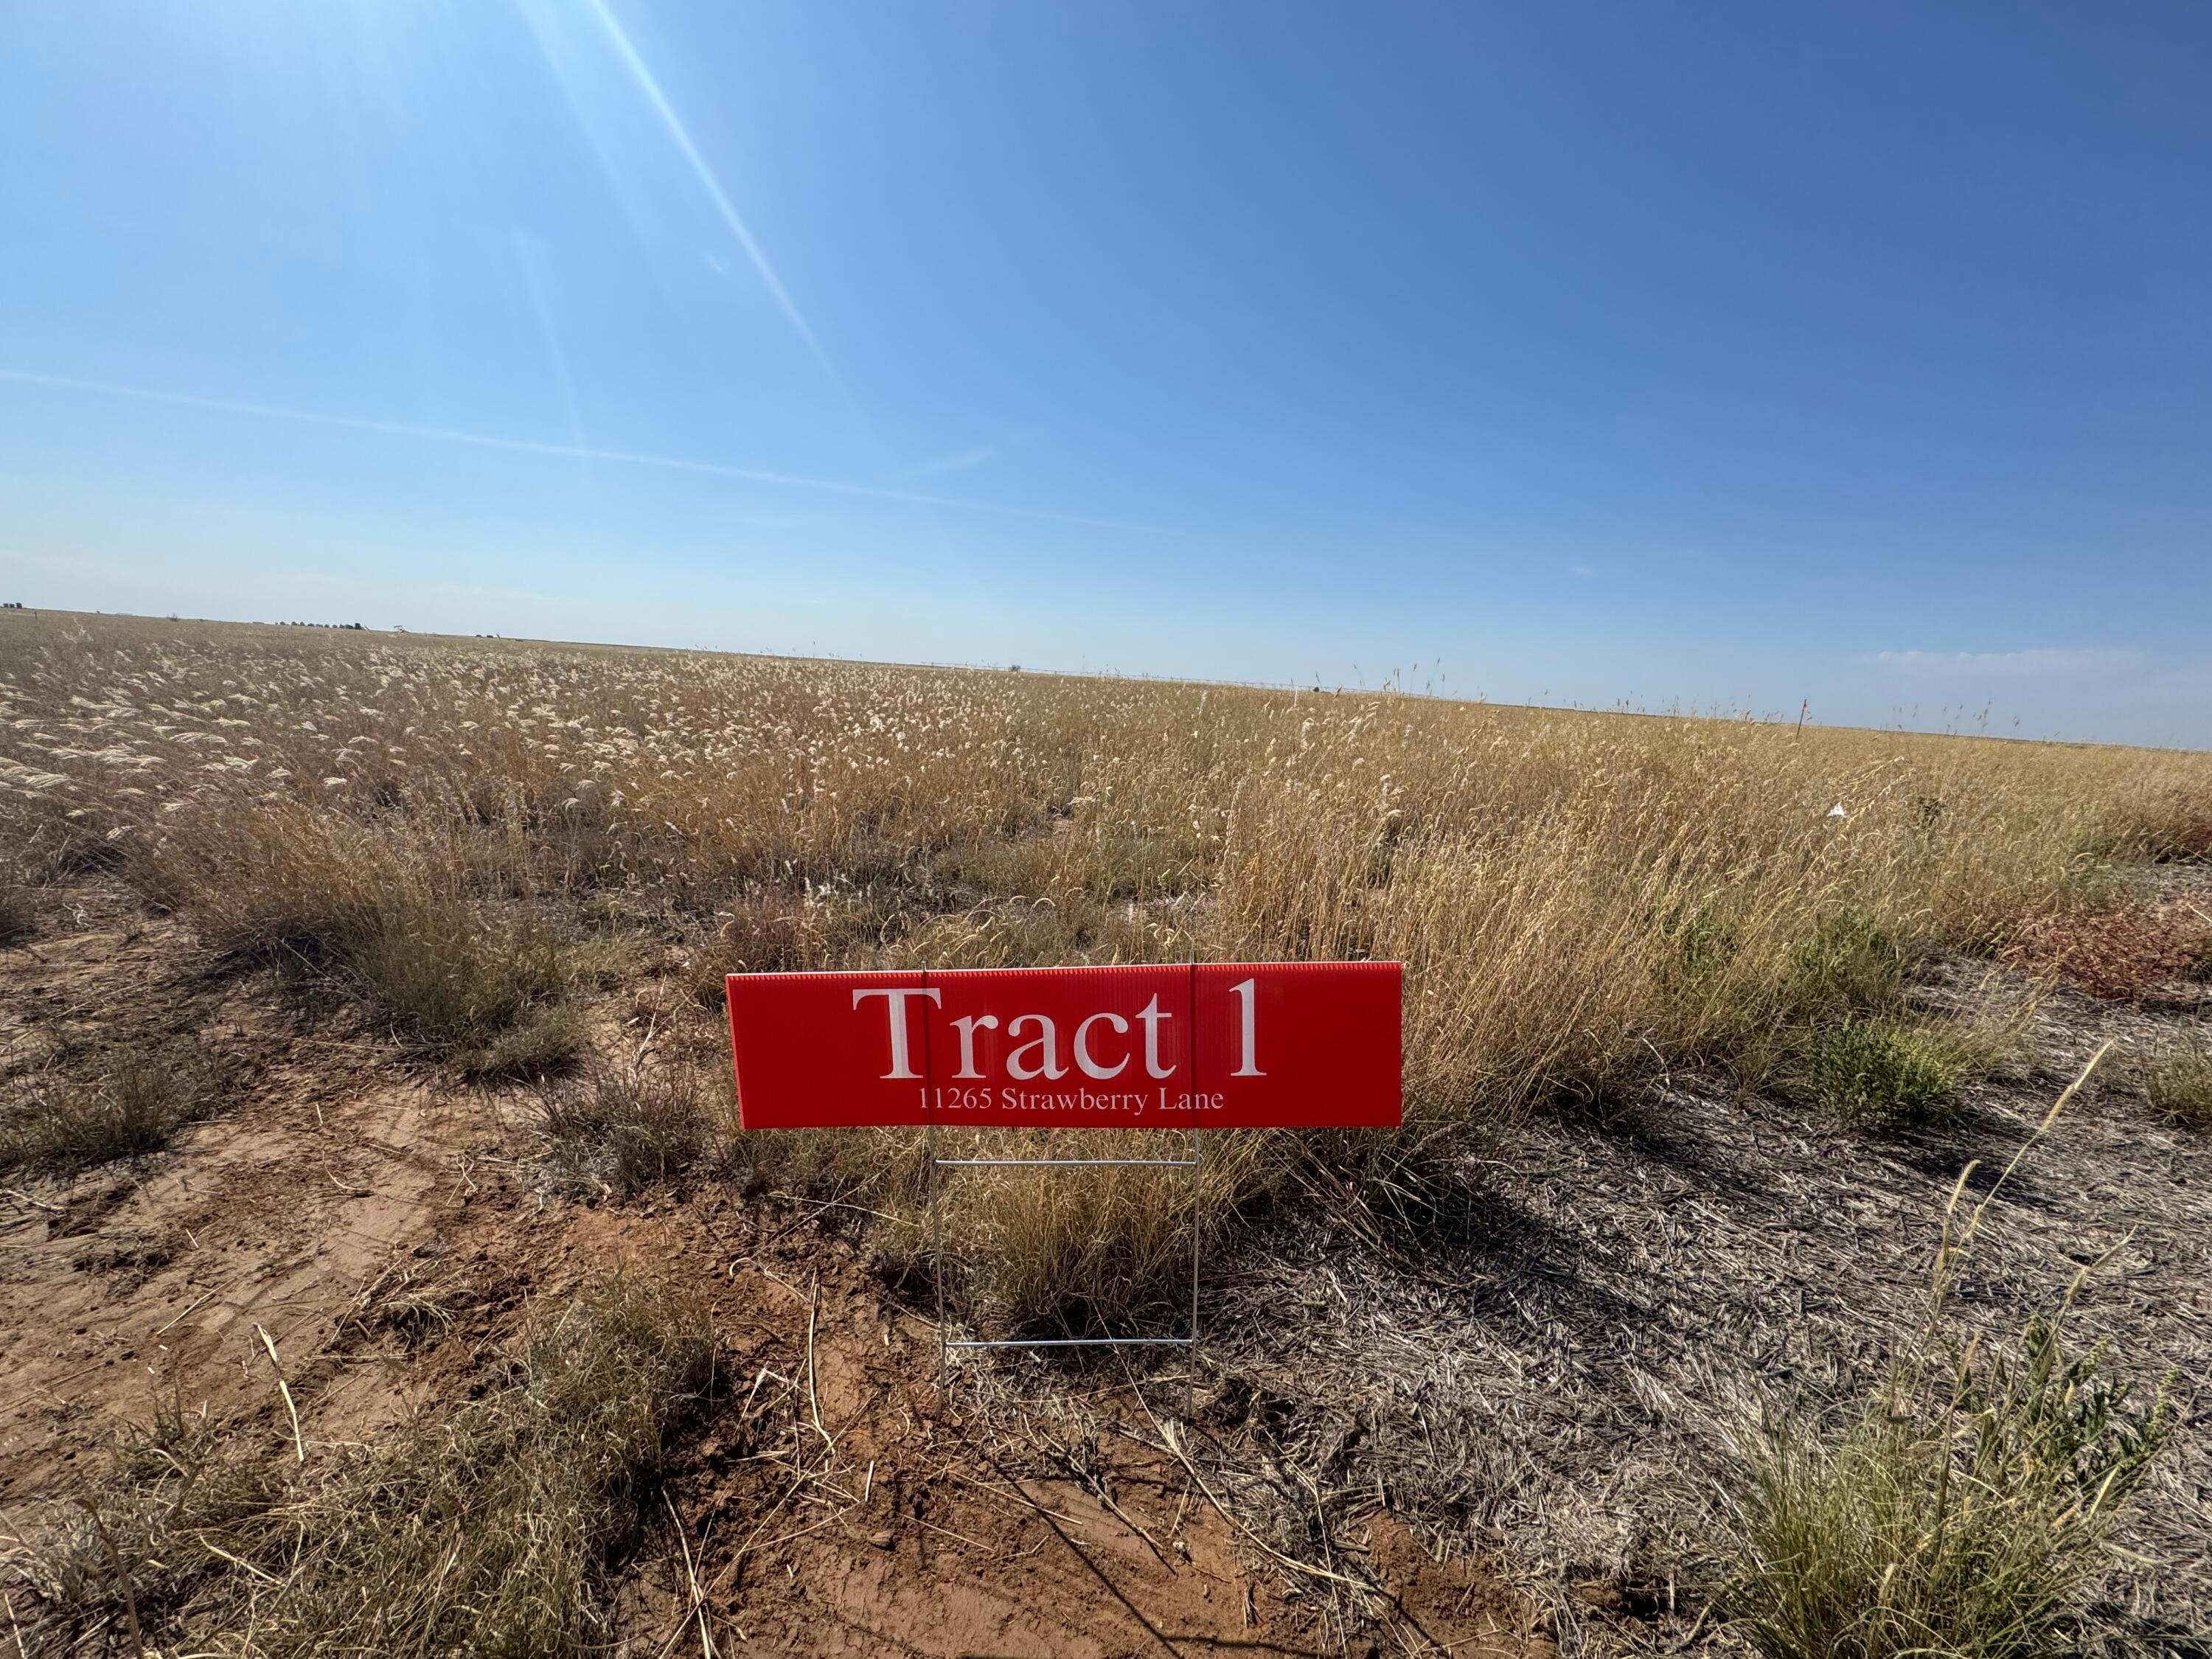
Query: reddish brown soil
(330, 1165)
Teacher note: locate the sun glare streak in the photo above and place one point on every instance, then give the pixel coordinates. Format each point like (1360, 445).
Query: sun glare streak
(572, 452)
(619, 39)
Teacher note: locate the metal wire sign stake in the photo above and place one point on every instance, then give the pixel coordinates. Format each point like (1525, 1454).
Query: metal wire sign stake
(1283, 1045)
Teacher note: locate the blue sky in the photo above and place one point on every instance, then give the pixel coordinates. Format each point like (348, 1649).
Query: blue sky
(1723, 356)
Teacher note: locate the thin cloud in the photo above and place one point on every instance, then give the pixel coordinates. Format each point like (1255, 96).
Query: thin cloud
(533, 284)
(574, 452)
(966, 461)
(2043, 663)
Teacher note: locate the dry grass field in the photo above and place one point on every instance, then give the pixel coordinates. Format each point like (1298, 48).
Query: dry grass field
(385, 1270)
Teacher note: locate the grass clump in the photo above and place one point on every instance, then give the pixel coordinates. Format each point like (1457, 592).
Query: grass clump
(619, 1128)
(488, 1532)
(1880, 1076)
(885, 1169)
(544, 1043)
(1959, 1527)
(483, 990)
(1704, 943)
(471, 979)
(1963, 1511)
(1057, 1252)
(484, 1529)
(1851, 964)
(2179, 1088)
(449, 974)
(1096, 1251)
(133, 1104)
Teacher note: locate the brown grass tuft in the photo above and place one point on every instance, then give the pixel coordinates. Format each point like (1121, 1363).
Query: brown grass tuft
(2183, 834)
(618, 1128)
(1101, 1251)
(132, 1103)
(2178, 1087)
(462, 972)
(483, 1529)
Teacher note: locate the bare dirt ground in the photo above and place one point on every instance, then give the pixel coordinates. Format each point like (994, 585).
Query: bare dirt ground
(1496, 1426)
(926, 1524)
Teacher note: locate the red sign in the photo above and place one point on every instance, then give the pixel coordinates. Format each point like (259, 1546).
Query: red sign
(1209, 1046)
